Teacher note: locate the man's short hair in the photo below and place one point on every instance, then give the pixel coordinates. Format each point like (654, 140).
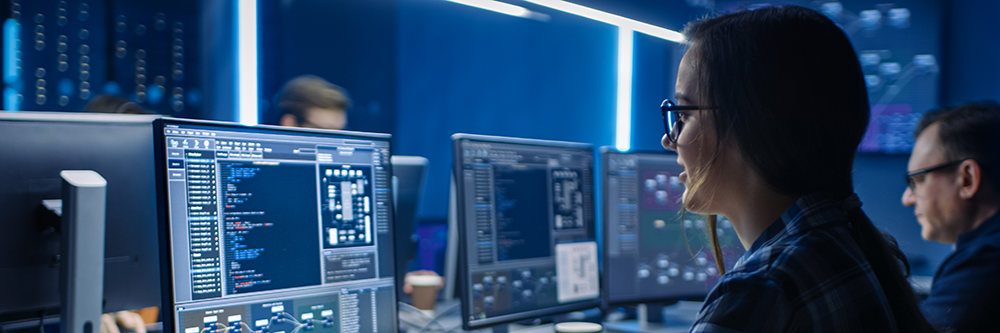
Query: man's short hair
(310, 91)
(971, 130)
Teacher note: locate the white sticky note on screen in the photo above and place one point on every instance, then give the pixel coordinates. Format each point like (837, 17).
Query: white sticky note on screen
(576, 270)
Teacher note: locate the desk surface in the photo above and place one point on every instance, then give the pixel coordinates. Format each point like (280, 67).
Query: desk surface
(677, 318)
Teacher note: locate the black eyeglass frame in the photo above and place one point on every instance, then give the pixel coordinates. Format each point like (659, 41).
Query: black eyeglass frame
(669, 107)
(912, 174)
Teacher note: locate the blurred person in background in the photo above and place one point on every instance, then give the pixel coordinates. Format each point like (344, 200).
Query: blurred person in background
(954, 189)
(311, 102)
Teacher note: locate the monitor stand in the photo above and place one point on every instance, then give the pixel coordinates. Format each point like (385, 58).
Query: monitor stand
(81, 271)
(650, 317)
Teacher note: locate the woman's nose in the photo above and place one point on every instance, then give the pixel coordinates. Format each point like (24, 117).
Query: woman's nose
(665, 141)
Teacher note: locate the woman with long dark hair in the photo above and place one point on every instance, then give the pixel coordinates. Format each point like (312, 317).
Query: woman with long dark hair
(771, 106)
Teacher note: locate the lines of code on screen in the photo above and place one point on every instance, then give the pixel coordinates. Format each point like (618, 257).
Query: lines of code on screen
(270, 235)
(522, 212)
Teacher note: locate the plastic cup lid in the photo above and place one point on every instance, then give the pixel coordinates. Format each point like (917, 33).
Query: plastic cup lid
(578, 327)
(423, 280)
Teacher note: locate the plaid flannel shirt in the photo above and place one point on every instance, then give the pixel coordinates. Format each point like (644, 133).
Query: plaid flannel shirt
(805, 273)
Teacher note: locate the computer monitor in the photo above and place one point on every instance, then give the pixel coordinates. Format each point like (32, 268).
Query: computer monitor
(525, 211)
(646, 256)
(407, 186)
(272, 229)
(36, 147)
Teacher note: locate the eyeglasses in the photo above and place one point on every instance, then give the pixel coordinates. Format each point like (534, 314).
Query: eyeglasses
(910, 176)
(672, 122)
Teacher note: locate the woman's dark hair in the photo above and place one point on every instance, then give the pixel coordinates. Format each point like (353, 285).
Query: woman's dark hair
(788, 90)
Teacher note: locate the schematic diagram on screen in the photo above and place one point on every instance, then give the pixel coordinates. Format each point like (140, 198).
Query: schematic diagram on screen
(347, 197)
(567, 199)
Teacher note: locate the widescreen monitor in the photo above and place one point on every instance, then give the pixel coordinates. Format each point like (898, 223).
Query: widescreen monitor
(525, 213)
(651, 254)
(269, 229)
(36, 147)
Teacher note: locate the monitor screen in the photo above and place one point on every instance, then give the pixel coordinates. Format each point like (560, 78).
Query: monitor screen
(270, 230)
(650, 253)
(526, 226)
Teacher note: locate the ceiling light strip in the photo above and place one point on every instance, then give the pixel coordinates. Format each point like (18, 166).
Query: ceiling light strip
(612, 19)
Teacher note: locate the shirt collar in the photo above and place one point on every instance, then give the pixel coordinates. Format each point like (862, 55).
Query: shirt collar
(806, 213)
(989, 227)
(770, 233)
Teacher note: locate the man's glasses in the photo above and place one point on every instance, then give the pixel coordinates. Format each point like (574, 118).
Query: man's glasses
(910, 176)
(672, 122)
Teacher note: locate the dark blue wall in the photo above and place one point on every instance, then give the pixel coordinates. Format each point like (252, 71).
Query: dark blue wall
(463, 69)
(971, 68)
(654, 75)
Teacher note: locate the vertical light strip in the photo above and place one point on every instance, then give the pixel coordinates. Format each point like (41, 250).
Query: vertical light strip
(623, 124)
(246, 48)
(11, 30)
(10, 99)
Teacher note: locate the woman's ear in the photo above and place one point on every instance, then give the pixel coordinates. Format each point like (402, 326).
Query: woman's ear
(970, 177)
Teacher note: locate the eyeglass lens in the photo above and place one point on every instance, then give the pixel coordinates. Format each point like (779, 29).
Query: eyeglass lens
(674, 125)
(670, 123)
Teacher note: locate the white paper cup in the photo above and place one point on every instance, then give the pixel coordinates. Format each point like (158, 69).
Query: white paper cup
(425, 288)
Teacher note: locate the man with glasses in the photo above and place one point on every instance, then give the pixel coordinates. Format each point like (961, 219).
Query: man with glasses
(954, 188)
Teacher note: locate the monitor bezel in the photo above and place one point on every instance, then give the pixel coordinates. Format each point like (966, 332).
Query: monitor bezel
(465, 297)
(606, 299)
(168, 315)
